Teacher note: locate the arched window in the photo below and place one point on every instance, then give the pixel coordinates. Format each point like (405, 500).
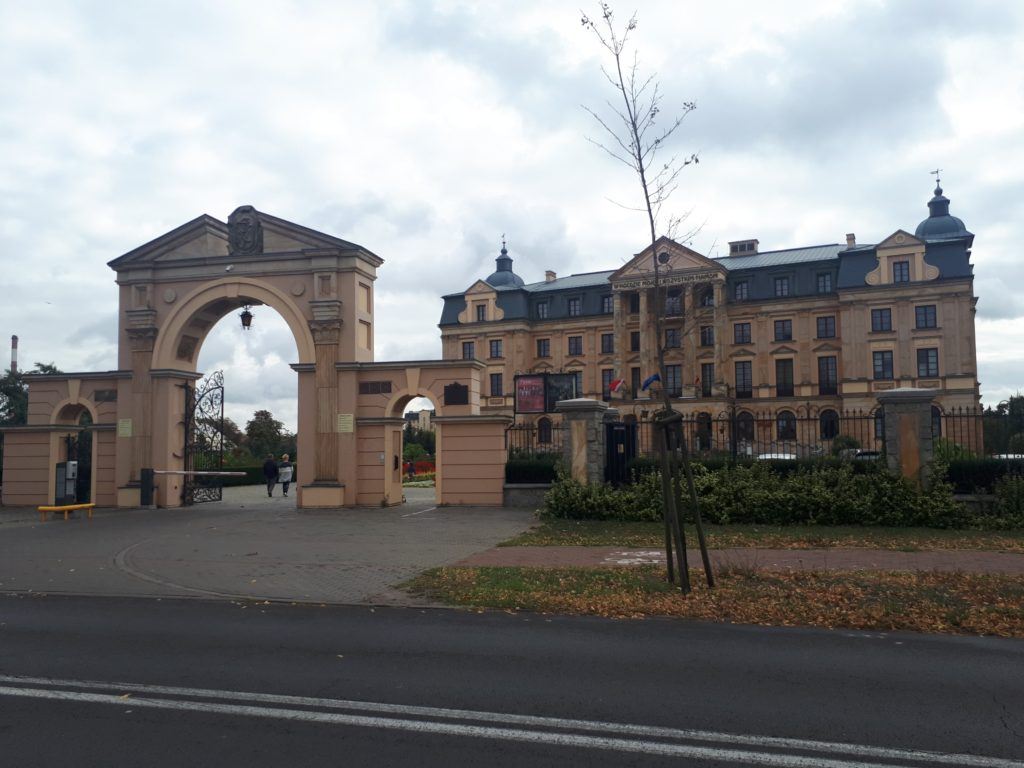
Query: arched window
(785, 425)
(544, 430)
(828, 423)
(745, 427)
(936, 421)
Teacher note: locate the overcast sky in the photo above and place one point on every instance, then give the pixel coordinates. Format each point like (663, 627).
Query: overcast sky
(425, 131)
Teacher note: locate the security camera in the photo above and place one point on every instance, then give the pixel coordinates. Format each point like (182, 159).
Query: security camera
(229, 267)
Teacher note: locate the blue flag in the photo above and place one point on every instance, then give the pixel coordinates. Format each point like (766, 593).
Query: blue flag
(650, 380)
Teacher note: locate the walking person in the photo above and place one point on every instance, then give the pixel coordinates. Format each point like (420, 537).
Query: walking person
(270, 474)
(284, 473)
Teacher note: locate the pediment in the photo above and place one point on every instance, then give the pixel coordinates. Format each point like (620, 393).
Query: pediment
(706, 355)
(206, 237)
(784, 350)
(899, 239)
(827, 347)
(542, 367)
(480, 286)
(742, 352)
(575, 362)
(680, 259)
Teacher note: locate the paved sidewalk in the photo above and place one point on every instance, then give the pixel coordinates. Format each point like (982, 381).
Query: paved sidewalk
(248, 546)
(758, 559)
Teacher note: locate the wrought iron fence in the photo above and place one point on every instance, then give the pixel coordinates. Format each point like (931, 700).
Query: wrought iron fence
(978, 432)
(773, 435)
(525, 440)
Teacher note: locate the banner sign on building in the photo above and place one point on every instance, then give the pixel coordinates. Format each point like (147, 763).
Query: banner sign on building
(539, 392)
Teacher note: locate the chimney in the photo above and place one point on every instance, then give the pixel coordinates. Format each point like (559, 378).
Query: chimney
(14, 354)
(743, 247)
(851, 240)
(549, 276)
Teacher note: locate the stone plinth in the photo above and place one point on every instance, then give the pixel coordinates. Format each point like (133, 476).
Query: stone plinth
(583, 447)
(908, 432)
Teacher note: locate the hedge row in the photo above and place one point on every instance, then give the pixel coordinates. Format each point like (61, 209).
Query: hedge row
(643, 465)
(981, 475)
(540, 468)
(756, 494)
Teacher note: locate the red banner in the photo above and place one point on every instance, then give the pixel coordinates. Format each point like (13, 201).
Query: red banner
(529, 394)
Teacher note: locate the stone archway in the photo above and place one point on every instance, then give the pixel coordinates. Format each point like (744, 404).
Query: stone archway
(174, 289)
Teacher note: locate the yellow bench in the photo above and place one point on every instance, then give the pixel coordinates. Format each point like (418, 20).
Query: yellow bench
(67, 508)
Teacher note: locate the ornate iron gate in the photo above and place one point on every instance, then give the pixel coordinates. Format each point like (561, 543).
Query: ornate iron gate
(204, 439)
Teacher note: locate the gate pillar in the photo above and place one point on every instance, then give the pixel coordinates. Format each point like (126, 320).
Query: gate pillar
(584, 445)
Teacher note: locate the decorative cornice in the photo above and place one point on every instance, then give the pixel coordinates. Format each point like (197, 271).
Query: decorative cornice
(87, 376)
(174, 373)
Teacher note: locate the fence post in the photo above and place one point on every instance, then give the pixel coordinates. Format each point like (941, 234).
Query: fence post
(583, 444)
(908, 432)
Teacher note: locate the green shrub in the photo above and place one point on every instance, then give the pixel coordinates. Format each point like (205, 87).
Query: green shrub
(843, 443)
(539, 468)
(972, 475)
(825, 494)
(945, 450)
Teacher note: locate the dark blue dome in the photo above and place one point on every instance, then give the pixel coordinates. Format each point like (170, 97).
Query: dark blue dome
(940, 225)
(504, 276)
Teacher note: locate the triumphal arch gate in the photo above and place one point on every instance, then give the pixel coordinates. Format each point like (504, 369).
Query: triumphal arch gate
(171, 292)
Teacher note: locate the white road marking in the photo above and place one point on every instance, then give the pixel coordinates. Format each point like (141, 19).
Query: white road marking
(634, 744)
(413, 514)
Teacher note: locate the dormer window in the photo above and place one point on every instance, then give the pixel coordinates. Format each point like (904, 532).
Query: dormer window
(901, 271)
(542, 311)
(743, 247)
(481, 312)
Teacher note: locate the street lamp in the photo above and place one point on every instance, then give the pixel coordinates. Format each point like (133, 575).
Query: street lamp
(246, 317)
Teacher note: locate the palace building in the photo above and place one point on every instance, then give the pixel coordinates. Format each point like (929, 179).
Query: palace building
(813, 329)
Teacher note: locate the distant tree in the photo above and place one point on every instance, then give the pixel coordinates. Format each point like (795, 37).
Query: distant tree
(422, 437)
(413, 452)
(264, 434)
(14, 394)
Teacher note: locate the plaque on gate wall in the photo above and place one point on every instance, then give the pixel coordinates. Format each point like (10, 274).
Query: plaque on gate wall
(456, 394)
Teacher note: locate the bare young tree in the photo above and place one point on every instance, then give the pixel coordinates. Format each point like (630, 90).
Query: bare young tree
(637, 136)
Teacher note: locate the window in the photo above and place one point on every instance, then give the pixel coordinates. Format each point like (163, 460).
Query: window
(674, 383)
(574, 307)
(674, 302)
(745, 427)
(828, 425)
(901, 271)
(880, 424)
(634, 341)
(783, 330)
(543, 347)
(828, 376)
(606, 383)
(827, 327)
(783, 378)
(741, 333)
(634, 381)
(704, 431)
(673, 338)
(607, 343)
(542, 310)
(707, 299)
(782, 286)
(468, 350)
(936, 421)
(785, 425)
(824, 282)
(881, 319)
(744, 379)
(707, 336)
(741, 290)
(495, 347)
(634, 303)
(707, 378)
(575, 345)
(607, 304)
(578, 383)
(481, 312)
(924, 316)
(882, 364)
(496, 389)
(927, 363)
(544, 430)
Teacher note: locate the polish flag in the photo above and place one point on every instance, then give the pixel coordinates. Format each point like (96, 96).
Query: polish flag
(617, 384)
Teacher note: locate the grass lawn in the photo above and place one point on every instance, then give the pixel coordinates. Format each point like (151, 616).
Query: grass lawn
(598, 533)
(881, 601)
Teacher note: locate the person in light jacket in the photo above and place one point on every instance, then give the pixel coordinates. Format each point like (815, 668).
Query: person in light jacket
(284, 473)
(270, 474)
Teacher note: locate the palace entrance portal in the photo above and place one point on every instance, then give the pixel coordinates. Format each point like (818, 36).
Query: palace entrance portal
(172, 291)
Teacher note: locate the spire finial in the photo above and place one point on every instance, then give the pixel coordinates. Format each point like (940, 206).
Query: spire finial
(504, 250)
(938, 181)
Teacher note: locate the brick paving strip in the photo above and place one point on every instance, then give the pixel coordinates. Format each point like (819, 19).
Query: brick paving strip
(757, 559)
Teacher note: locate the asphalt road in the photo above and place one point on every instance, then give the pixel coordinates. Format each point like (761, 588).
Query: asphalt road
(148, 682)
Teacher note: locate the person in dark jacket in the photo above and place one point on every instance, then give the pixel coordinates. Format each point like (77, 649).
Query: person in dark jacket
(270, 473)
